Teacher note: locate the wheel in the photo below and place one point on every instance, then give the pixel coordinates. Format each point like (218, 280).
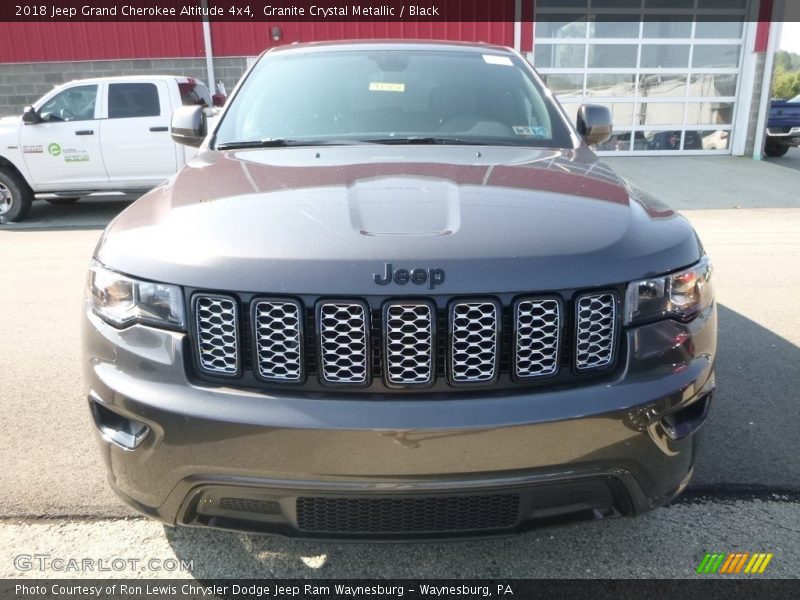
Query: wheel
(775, 150)
(15, 197)
(60, 201)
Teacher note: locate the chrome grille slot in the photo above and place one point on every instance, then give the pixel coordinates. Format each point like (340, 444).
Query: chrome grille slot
(409, 343)
(217, 330)
(537, 324)
(596, 321)
(474, 333)
(343, 342)
(278, 338)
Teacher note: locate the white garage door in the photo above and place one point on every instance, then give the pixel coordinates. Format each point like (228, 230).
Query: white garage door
(671, 83)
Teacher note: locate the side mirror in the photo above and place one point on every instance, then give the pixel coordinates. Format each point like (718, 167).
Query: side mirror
(30, 116)
(594, 123)
(189, 126)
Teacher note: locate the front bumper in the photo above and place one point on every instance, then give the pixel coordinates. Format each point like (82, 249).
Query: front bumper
(404, 465)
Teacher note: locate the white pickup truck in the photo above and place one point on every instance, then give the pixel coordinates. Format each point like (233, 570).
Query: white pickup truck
(93, 135)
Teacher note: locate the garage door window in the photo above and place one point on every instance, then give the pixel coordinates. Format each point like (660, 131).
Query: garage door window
(669, 82)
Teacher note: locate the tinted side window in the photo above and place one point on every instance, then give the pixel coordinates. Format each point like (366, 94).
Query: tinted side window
(73, 104)
(194, 94)
(126, 100)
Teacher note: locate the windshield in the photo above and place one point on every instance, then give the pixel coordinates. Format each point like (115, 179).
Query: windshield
(426, 96)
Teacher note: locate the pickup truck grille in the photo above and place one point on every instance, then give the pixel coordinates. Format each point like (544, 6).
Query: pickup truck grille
(406, 343)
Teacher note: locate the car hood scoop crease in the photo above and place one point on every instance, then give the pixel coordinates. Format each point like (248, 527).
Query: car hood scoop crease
(404, 206)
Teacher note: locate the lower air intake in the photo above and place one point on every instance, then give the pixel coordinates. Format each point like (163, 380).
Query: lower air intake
(407, 515)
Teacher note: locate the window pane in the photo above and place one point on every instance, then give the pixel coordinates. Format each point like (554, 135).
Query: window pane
(620, 141)
(716, 56)
(609, 85)
(662, 56)
(562, 4)
(559, 55)
(561, 26)
(621, 113)
(713, 85)
(656, 84)
(564, 85)
(669, 3)
(720, 113)
(723, 29)
(613, 27)
(712, 139)
(127, 100)
(601, 4)
(660, 113)
(73, 104)
(612, 56)
(666, 26)
(721, 4)
(659, 140)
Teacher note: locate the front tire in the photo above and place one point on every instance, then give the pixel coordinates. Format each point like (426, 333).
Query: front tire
(775, 150)
(61, 201)
(15, 197)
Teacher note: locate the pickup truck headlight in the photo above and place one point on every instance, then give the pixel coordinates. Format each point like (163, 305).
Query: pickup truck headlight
(680, 295)
(121, 300)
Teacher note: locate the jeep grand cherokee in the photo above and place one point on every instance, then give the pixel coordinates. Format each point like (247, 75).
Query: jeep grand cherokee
(396, 295)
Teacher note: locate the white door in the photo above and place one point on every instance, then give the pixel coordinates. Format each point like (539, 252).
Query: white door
(62, 152)
(137, 148)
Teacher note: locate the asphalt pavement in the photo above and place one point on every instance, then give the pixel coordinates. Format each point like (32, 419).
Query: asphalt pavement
(745, 494)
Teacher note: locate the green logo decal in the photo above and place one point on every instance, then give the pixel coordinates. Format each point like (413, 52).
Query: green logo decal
(54, 149)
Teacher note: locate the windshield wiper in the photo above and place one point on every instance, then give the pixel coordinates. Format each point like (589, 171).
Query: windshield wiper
(282, 142)
(424, 140)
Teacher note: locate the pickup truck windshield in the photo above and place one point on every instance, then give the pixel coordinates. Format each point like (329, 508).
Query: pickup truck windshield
(391, 96)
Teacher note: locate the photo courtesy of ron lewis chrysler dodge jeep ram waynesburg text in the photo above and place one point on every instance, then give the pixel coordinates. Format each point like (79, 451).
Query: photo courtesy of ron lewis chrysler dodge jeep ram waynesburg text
(395, 295)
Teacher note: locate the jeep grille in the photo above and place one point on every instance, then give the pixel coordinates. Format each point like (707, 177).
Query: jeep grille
(409, 343)
(216, 322)
(277, 333)
(405, 343)
(596, 315)
(537, 326)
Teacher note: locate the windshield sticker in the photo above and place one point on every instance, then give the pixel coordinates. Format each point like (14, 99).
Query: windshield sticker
(531, 131)
(494, 59)
(376, 86)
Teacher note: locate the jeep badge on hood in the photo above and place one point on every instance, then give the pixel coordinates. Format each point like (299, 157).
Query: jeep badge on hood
(433, 277)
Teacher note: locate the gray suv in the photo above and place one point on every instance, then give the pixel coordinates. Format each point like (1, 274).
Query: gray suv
(396, 295)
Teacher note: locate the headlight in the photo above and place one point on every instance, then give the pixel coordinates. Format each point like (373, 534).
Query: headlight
(122, 300)
(679, 295)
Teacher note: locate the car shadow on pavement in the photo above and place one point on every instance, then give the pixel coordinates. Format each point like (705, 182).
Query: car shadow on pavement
(85, 214)
(750, 443)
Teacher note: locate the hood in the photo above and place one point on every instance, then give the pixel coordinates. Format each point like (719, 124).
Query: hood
(326, 220)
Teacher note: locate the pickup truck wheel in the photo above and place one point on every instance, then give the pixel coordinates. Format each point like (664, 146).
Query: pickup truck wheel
(775, 150)
(15, 197)
(60, 201)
